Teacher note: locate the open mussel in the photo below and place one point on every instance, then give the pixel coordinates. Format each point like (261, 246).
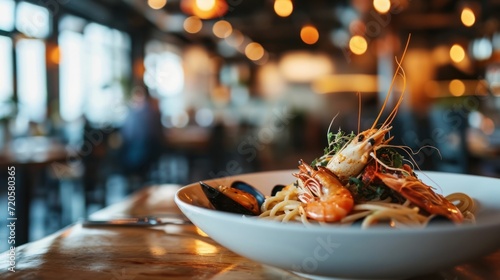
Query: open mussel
(239, 197)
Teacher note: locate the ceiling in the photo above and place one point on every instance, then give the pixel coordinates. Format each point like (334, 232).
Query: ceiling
(435, 20)
(429, 22)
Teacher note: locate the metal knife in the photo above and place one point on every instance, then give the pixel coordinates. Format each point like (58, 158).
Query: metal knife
(146, 221)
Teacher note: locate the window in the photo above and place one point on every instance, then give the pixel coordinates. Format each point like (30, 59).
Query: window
(71, 90)
(32, 20)
(6, 77)
(94, 68)
(164, 77)
(165, 73)
(7, 15)
(31, 79)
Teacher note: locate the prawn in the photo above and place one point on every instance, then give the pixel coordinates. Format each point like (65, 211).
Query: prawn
(420, 194)
(324, 196)
(350, 160)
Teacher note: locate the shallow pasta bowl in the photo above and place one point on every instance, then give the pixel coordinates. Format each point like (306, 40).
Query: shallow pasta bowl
(351, 252)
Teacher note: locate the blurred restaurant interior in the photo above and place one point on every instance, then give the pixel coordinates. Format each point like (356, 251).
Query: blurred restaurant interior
(99, 98)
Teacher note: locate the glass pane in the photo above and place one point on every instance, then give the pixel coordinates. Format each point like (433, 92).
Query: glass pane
(31, 79)
(7, 14)
(164, 73)
(107, 57)
(5, 68)
(99, 72)
(6, 88)
(33, 20)
(169, 74)
(72, 23)
(71, 75)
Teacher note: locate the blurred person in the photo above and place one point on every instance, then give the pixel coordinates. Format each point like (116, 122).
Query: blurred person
(142, 134)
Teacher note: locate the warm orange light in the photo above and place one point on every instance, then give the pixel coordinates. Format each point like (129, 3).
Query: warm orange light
(222, 29)
(456, 87)
(157, 4)
(203, 248)
(468, 18)
(457, 53)
(193, 24)
(138, 68)
(382, 6)
(309, 34)
(204, 9)
(346, 83)
(358, 45)
(54, 55)
(205, 5)
(304, 66)
(283, 8)
(254, 51)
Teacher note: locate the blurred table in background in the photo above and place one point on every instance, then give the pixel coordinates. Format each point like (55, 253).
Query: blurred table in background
(29, 156)
(33, 150)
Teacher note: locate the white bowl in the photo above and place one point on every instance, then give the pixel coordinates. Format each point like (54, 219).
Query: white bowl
(350, 252)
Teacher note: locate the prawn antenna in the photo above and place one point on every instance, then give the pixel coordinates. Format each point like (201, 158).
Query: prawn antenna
(396, 73)
(331, 123)
(359, 110)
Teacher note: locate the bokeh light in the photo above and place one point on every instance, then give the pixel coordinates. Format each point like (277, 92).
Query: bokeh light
(358, 45)
(457, 53)
(222, 29)
(205, 5)
(309, 34)
(456, 87)
(382, 6)
(157, 4)
(204, 9)
(193, 24)
(468, 18)
(283, 8)
(254, 51)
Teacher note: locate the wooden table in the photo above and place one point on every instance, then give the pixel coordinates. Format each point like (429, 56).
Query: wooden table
(163, 252)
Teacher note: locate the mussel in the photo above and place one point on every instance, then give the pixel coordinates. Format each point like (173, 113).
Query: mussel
(239, 197)
(277, 189)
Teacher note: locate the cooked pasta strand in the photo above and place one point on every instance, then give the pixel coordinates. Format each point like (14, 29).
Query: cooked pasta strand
(286, 207)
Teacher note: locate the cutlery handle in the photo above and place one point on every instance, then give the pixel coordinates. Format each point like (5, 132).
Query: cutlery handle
(137, 221)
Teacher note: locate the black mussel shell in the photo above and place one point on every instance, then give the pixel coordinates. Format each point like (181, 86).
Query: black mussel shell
(242, 186)
(222, 202)
(277, 189)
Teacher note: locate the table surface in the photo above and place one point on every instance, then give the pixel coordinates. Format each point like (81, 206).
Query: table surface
(162, 252)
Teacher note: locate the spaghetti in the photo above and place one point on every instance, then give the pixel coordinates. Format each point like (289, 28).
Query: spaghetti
(285, 207)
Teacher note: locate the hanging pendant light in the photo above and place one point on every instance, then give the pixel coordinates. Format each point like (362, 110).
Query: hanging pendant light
(204, 9)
